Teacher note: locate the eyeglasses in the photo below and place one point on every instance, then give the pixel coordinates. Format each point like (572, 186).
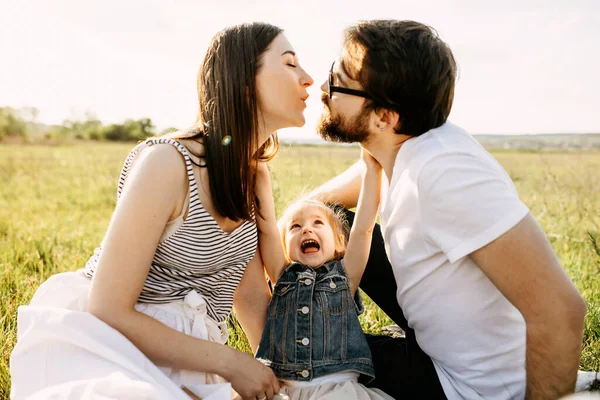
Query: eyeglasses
(332, 88)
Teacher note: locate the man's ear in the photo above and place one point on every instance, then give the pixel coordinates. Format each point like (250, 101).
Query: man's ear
(390, 117)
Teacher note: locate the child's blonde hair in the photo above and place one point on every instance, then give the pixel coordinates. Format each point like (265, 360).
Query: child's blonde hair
(336, 219)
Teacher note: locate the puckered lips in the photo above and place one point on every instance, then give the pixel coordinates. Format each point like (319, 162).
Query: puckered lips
(310, 246)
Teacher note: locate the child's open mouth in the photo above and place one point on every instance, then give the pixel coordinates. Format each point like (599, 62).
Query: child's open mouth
(310, 246)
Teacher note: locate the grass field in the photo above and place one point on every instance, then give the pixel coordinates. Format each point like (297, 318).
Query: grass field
(55, 204)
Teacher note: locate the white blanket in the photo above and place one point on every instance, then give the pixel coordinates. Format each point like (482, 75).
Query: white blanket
(63, 352)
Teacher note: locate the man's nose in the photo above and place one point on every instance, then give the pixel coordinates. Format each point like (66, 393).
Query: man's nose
(325, 87)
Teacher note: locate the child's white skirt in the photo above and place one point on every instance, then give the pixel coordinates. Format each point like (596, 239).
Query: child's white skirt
(333, 387)
(335, 391)
(63, 352)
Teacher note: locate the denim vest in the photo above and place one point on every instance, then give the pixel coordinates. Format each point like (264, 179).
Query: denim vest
(312, 327)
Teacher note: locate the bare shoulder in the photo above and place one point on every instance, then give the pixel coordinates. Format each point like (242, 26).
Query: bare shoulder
(161, 167)
(195, 148)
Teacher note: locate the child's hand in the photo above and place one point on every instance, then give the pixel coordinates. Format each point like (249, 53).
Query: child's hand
(370, 162)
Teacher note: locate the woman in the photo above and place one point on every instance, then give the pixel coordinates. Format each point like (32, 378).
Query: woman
(158, 290)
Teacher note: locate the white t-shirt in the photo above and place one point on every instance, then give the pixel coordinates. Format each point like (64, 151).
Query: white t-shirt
(447, 198)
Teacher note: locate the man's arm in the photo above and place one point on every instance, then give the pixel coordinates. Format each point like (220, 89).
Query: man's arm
(523, 266)
(342, 190)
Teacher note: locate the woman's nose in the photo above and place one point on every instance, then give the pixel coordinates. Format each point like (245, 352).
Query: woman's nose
(306, 79)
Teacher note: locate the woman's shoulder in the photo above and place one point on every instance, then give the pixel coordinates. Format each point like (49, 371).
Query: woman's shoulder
(195, 149)
(162, 165)
(162, 156)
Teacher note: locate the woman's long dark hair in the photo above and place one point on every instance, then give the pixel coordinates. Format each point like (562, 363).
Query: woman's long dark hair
(228, 107)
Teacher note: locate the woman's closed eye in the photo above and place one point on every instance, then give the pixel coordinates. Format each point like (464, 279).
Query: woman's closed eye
(292, 61)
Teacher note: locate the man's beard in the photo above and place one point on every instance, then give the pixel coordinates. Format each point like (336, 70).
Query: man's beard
(337, 130)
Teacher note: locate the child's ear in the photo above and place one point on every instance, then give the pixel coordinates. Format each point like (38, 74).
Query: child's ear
(339, 245)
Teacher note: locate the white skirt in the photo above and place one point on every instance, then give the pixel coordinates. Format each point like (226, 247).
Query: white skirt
(345, 390)
(63, 352)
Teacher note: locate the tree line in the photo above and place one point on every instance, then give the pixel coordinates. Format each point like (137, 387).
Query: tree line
(21, 123)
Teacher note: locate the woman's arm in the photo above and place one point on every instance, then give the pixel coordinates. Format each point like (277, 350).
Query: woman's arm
(269, 239)
(251, 300)
(154, 188)
(359, 243)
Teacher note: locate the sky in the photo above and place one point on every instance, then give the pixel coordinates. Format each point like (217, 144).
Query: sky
(525, 66)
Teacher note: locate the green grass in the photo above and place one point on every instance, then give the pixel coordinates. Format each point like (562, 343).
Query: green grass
(55, 204)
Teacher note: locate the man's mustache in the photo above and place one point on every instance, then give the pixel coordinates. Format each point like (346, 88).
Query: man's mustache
(325, 99)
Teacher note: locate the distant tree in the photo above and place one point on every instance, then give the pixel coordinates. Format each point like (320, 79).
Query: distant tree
(18, 122)
(146, 127)
(92, 128)
(96, 135)
(116, 132)
(11, 124)
(129, 131)
(55, 132)
(89, 127)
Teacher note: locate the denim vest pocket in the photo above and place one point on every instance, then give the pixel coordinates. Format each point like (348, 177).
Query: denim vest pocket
(331, 293)
(283, 298)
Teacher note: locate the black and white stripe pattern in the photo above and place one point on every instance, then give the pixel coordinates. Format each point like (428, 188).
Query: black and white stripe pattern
(198, 256)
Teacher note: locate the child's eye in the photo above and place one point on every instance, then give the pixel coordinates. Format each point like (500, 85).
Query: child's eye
(294, 226)
(319, 222)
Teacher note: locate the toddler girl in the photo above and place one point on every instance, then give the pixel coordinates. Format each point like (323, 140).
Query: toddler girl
(312, 339)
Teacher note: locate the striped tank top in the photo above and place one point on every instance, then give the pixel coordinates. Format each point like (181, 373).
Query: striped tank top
(199, 255)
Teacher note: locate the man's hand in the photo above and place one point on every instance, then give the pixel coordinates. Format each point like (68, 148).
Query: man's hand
(524, 267)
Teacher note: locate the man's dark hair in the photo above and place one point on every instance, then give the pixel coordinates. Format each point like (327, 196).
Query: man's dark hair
(407, 68)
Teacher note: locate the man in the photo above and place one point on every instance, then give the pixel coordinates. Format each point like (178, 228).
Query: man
(488, 310)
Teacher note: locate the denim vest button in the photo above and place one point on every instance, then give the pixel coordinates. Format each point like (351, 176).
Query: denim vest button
(307, 282)
(305, 341)
(305, 310)
(304, 374)
(332, 285)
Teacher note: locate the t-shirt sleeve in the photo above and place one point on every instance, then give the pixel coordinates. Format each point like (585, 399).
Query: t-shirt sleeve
(466, 202)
